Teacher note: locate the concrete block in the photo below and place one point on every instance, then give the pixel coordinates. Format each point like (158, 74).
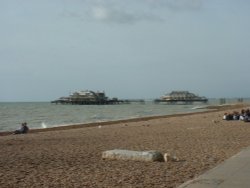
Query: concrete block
(133, 155)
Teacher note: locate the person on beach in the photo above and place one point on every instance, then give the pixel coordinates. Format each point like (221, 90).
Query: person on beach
(247, 116)
(244, 115)
(23, 130)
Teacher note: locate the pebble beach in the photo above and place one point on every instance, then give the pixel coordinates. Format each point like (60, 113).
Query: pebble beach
(70, 156)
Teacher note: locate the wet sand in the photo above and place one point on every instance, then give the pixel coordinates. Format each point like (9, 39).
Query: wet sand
(71, 156)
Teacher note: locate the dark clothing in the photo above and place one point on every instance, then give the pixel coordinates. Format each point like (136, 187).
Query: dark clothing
(24, 129)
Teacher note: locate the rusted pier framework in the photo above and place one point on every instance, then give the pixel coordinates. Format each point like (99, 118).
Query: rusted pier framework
(92, 98)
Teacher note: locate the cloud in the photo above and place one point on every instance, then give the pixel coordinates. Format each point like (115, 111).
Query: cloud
(110, 11)
(122, 16)
(100, 13)
(111, 15)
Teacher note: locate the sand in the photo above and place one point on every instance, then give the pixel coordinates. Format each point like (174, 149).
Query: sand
(71, 157)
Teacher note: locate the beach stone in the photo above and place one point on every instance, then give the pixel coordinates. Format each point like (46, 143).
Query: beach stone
(133, 155)
(167, 157)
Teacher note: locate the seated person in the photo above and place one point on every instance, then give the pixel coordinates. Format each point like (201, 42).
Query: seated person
(24, 129)
(236, 115)
(228, 116)
(225, 116)
(247, 118)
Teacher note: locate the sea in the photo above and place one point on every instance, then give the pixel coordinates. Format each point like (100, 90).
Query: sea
(45, 114)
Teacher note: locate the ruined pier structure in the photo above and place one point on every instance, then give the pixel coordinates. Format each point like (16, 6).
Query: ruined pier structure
(88, 97)
(181, 97)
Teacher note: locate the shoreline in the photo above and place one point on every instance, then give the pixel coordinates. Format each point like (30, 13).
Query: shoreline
(71, 157)
(211, 108)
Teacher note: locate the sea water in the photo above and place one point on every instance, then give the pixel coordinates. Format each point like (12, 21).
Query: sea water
(45, 114)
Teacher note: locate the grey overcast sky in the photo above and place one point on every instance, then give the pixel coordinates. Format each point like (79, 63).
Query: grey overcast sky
(128, 48)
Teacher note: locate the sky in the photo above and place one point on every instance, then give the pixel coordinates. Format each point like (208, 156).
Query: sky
(129, 49)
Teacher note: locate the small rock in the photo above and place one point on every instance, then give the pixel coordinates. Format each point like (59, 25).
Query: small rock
(168, 157)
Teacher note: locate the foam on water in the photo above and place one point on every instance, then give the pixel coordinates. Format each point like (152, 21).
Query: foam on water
(44, 125)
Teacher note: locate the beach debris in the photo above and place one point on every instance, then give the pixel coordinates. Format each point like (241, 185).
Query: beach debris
(121, 154)
(99, 126)
(167, 157)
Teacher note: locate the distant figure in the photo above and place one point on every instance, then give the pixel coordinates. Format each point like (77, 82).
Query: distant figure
(228, 116)
(23, 130)
(244, 115)
(236, 115)
(225, 116)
